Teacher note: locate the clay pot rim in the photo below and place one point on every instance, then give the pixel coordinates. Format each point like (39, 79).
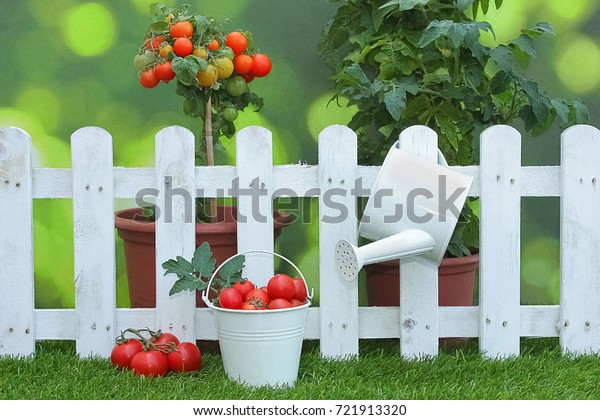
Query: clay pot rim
(467, 259)
(124, 220)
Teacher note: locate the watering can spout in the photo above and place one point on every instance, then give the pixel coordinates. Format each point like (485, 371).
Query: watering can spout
(350, 259)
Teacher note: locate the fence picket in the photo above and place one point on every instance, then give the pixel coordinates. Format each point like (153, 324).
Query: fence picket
(254, 158)
(94, 241)
(500, 207)
(17, 319)
(580, 241)
(175, 228)
(419, 278)
(338, 298)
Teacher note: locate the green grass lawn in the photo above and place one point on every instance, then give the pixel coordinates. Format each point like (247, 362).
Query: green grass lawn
(379, 373)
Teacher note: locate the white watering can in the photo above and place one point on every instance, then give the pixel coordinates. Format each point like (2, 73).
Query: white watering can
(413, 210)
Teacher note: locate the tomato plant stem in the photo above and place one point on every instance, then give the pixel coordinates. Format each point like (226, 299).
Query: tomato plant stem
(210, 155)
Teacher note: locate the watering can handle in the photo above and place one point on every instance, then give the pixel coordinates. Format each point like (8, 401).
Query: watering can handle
(252, 251)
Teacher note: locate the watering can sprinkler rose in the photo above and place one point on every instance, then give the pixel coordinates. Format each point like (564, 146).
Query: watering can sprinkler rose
(210, 67)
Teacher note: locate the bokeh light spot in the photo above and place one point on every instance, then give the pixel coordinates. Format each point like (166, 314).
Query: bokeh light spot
(577, 63)
(323, 113)
(41, 103)
(89, 29)
(48, 12)
(575, 10)
(540, 269)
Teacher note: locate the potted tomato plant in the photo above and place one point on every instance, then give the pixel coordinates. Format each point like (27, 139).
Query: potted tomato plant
(422, 62)
(212, 70)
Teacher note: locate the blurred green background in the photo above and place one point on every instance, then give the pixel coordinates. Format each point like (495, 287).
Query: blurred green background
(68, 64)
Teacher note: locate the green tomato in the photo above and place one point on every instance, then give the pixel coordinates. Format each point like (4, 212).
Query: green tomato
(230, 114)
(144, 60)
(228, 52)
(236, 86)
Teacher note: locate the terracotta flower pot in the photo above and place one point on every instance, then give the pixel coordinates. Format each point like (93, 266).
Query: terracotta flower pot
(139, 246)
(456, 284)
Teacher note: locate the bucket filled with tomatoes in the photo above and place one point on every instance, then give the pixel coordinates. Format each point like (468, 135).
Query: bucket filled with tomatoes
(266, 318)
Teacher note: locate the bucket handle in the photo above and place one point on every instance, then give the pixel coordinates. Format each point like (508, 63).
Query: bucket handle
(251, 251)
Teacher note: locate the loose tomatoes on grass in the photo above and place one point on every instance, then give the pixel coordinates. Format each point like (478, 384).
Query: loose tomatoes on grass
(149, 363)
(155, 355)
(122, 354)
(185, 358)
(165, 339)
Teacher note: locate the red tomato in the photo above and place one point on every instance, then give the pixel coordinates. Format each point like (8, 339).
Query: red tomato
(261, 65)
(247, 306)
(258, 297)
(230, 298)
(213, 45)
(236, 41)
(149, 79)
(183, 47)
(242, 64)
(281, 286)
(301, 292)
(279, 304)
(164, 71)
(166, 338)
(243, 286)
(248, 77)
(296, 302)
(185, 358)
(122, 354)
(149, 363)
(154, 43)
(183, 29)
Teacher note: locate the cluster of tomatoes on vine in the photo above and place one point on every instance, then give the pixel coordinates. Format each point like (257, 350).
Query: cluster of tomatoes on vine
(281, 292)
(233, 64)
(155, 355)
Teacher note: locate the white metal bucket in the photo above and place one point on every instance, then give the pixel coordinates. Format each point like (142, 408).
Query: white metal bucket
(260, 347)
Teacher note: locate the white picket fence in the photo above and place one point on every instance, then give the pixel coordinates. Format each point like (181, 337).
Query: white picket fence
(499, 321)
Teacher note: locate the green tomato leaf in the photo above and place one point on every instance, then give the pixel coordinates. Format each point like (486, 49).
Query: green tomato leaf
(231, 271)
(500, 82)
(503, 57)
(405, 4)
(540, 28)
(186, 70)
(203, 261)
(158, 27)
(538, 101)
(525, 49)
(194, 107)
(187, 283)
(464, 4)
(448, 128)
(562, 109)
(395, 102)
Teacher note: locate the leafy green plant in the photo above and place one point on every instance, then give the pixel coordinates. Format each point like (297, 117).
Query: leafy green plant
(195, 274)
(409, 62)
